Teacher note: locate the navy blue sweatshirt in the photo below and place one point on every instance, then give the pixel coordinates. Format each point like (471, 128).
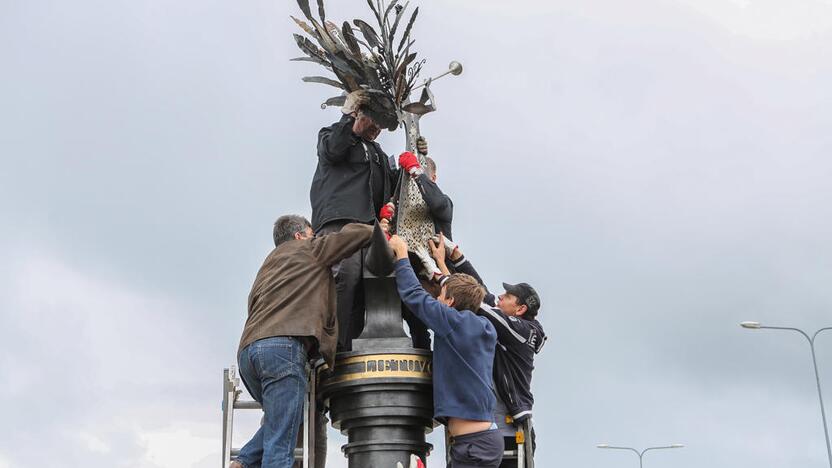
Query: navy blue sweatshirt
(463, 352)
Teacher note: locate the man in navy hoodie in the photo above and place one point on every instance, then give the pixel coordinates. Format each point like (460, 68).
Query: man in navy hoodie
(463, 357)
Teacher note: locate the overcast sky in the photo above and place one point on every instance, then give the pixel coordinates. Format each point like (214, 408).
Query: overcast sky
(658, 170)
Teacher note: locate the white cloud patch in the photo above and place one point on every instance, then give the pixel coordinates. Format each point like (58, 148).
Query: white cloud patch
(104, 365)
(178, 446)
(94, 443)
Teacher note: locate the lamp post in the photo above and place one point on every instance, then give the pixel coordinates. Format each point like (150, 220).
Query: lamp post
(640, 454)
(811, 340)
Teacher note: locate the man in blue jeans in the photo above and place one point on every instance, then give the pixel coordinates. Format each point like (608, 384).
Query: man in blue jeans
(291, 319)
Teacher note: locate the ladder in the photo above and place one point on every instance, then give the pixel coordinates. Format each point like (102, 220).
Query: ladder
(304, 454)
(524, 454)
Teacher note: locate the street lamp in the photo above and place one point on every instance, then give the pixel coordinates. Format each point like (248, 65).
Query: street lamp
(640, 454)
(757, 326)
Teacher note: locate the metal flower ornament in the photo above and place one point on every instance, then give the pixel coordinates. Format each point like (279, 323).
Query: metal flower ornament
(375, 62)
(379, 63)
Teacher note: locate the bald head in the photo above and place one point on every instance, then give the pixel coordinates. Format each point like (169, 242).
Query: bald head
(430, 168)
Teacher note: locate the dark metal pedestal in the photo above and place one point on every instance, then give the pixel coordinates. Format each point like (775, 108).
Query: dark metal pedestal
(382, 401)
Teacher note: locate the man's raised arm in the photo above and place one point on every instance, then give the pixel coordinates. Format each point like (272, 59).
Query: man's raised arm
(439, 249)
(435, 315)
(440, 205)
(335, 141)
(329, 249)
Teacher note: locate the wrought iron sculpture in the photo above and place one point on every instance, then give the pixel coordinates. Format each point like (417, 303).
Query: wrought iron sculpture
(379, 394)
(382, 63)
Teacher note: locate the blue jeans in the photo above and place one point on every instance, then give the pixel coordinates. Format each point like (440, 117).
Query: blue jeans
(274, 372)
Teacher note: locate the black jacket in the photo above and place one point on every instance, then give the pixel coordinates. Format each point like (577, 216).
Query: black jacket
(518, 340)
(440, 205)
(353, 179)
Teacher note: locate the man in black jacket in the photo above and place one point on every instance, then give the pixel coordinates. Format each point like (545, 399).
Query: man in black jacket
(519, 338)
(352, 183)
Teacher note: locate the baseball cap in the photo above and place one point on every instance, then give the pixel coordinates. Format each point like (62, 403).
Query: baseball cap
(526, 294)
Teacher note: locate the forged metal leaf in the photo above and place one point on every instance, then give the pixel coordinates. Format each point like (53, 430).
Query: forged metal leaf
(387, 11)
(336, 101)
(399, 13)
(416, 108)
(385, 31)
(323, 37)
(304, 7)
(309, 47)
(370, 75)
(323, 80)
(303, 25)
(407, 29)
(335, 34)
(400, 87)
(349, 81)
(321, 11)
(366, 46)
(368, 32)
(375, 11)
(407, 49)
(350, 40)
(400, 71)
(313, 60)
(342, 64)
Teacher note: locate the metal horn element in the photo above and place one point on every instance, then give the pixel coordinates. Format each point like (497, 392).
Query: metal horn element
(454, 68)
(379, 258)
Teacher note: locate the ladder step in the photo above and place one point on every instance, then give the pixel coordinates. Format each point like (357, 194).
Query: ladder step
(298, 453)
(247, 404)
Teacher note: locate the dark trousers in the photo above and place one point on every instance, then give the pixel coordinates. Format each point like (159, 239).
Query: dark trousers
(482, 449)
(349, 292)
(418, 331)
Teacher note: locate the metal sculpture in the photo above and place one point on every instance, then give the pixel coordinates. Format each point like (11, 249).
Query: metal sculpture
(384, 65)
(379, 394)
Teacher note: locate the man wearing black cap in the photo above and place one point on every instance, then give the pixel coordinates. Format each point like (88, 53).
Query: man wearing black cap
(519, 337)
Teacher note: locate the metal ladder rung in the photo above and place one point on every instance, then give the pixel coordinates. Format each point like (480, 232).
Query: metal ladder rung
(298, 453)
(247, 404)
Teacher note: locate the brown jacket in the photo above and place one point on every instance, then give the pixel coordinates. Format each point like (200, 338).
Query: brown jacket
(294, 292)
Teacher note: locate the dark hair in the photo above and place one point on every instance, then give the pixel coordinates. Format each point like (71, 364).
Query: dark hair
(530, 313)
(430, 166)
(466, 292)
(286, 226)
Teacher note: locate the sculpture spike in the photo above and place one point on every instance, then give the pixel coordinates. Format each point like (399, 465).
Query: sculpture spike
(379, 258)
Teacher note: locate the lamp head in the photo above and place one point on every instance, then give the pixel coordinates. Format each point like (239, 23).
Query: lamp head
(750, 325)
(455, 68)
(603, 445)
(676, 445)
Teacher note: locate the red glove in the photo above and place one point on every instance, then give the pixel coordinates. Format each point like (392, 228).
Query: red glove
(386, 212)
(410, 163)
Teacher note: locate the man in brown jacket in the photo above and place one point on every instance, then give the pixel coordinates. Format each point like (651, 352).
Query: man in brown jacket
(291, 318)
